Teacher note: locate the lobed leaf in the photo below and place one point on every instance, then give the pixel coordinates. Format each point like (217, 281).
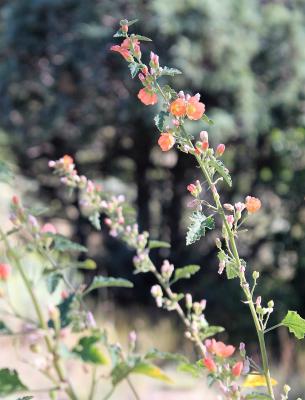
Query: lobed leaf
(63, 244)
(170, 71)
(160, 120)
(10, 382)
(211, 330)
(295, 323)
(104, 281)
(185, 272)
(200, 223)
(221, 169)
(134, 69)
(162, 355)
(89, 350)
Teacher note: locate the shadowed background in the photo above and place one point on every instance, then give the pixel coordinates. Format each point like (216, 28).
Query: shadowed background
(62, 91)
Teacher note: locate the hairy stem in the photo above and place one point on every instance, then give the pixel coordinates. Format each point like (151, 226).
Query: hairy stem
(243, 281)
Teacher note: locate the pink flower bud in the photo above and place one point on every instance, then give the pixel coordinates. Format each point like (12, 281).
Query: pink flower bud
(209, 363)
(181, 94)
(197, 96)
(48, 228)
(205, 145)
(141, 77)
(230, 219)
(228, 207)
(258, 301)
(204, 136)
(240, 206)
(220, 149)
(5, 271)
(51, 164)
(237, 369)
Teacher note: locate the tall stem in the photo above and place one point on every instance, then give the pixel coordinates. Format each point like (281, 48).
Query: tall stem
(42, 322)
(243, 281)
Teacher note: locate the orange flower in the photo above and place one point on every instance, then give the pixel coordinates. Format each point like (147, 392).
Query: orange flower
(219, 348)
(123, 51)
(147, 96)
(252, 204)
(210, 364)
(67, 160)
(237, 369)
(194, 108)
(5, 270)
(178, 108)
(166, 141)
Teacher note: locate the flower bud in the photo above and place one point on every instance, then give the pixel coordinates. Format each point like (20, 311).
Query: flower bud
(228, 207)
(188, 300)
(5, 271)
(218, 243)
(287, 389)
(156, 291)
(237, 369)
(220, 150)
(255, 275)
(124, 28)
(204, 136)
(271, 304)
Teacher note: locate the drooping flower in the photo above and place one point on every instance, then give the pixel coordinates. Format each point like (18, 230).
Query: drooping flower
(237, 369)
(253, 204)
(194, 108)
(178, 107)
(166, 141)
(148, 96)
(219, 348)
(210, 364)
(5, 270)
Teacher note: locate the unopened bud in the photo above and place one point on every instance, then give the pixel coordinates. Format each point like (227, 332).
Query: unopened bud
(218, 243)
(188, 300)
(255, 275)
(204, 136)
(220, 149)
(271, 304)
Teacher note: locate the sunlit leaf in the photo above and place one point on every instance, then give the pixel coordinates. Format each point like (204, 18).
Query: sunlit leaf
(254, 380)
(199, 224)
(170, 71)
(152, 371)
(295, 323)
(160, 120)
(221, 169)
(89, 350)
(104, 281)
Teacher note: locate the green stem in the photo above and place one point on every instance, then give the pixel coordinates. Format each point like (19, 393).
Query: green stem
(93, 383)
(273, 327)
(243, 281)
(43, 324)
(109, 394)
(133, 389)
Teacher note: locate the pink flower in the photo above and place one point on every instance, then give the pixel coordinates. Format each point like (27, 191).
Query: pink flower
(123, 51)
(219, 348)
(240, 206)
(147, 96)
(230, 219)
(48, 228)
(210, 364)
(220, 150)
(5, 271)
(237, 369)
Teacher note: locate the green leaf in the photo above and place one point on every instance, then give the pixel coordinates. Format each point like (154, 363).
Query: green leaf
(192, 369)
(134, 69)
(206, 119)
(221, 169)
(160, 120)
(199, 224)
(170, 71)
(232, 270)
(87, 264)
(53, 281)
(65, 308)
(89, 350)
(119, 33)
(10, 382)
(209, 331)
(185, 272)
(6, 174)
(95, 220)
(295, 323)
(4, 329)
(62, 244)
(157, 244)
(154, 354)
(142, 38)
(104, 281)
(257, 396)
(119, 372)
(169, 92)
(152, 371)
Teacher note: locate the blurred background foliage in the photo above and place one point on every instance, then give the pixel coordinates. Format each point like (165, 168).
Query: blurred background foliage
(62, 91)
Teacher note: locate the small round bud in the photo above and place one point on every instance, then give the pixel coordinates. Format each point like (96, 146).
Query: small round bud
(255, 275)
(287, 389)
(218, 243)
(271, 304)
